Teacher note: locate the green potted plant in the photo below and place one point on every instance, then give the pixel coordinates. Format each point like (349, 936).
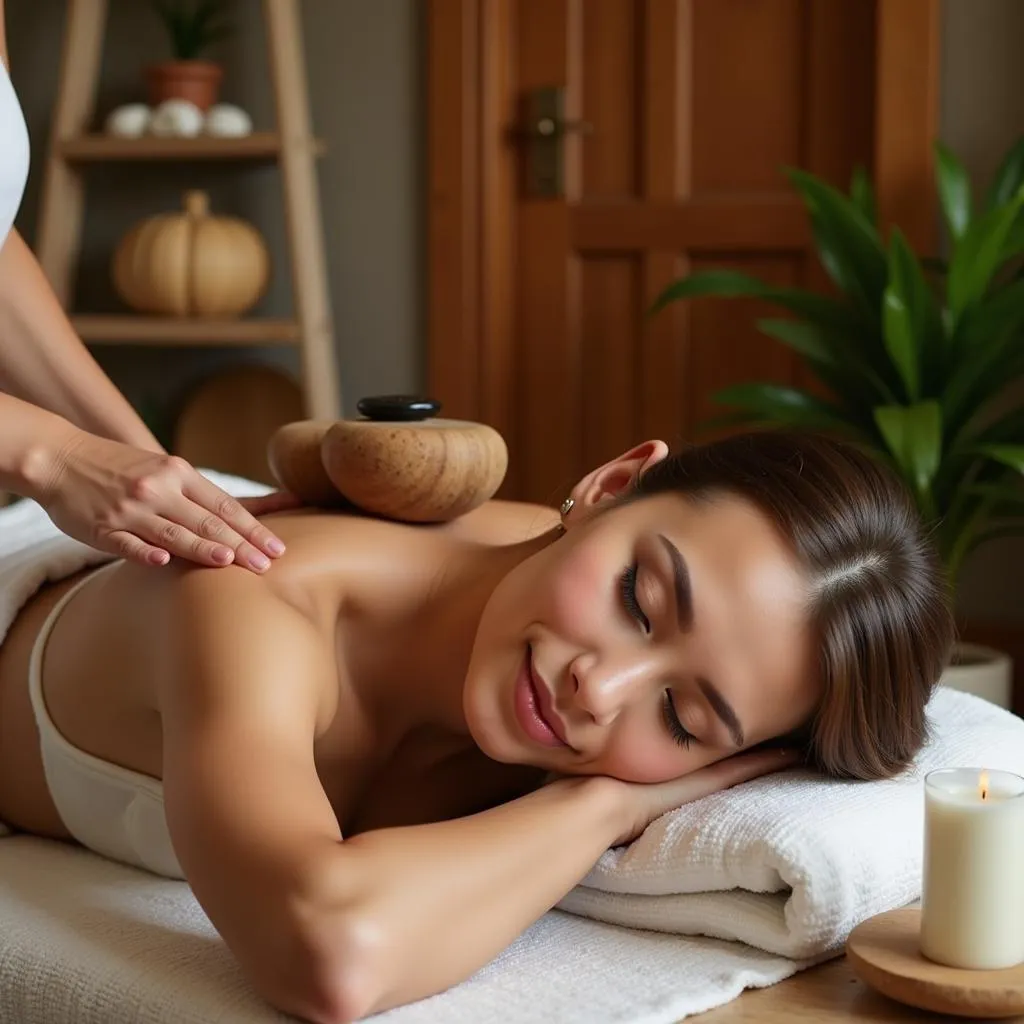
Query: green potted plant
(193, 26)
(918, 358)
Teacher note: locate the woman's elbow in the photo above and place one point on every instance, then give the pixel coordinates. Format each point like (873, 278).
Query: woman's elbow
(338, 975)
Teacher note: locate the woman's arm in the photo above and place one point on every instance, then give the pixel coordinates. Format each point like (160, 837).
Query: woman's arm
(330, 929)
(43, 361)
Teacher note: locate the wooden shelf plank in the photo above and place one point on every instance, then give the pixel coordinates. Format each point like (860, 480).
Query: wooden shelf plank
(98, 147)
(160, 330)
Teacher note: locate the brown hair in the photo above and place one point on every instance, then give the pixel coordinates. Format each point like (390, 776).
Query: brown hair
(879, 601)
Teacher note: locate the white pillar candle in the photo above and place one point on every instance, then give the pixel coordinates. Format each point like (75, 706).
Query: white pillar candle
(972, 902)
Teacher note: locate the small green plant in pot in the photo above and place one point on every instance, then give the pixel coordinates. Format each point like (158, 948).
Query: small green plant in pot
(193, 26)
(920, 359)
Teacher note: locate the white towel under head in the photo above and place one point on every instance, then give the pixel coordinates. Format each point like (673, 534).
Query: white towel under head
(791, 863)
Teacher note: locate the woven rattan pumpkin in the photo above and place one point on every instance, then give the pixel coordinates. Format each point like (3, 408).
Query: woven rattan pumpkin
(191, 263)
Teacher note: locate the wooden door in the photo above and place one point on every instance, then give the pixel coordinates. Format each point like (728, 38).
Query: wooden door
(536, 305)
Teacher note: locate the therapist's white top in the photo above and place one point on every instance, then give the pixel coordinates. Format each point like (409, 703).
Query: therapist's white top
(13, 154)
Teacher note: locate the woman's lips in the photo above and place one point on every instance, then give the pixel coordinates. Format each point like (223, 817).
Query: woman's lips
(536, 716)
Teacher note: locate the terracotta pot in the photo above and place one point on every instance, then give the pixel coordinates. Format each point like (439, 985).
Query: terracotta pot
(195, 80)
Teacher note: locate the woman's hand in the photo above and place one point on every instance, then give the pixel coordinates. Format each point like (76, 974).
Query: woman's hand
(147, 506)
(643, 803)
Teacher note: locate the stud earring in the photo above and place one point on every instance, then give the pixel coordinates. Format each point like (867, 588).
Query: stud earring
(567, 506)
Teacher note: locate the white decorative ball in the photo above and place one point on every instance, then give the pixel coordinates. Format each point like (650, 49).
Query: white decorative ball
(228, 121)
(177, 118)
(129, 121)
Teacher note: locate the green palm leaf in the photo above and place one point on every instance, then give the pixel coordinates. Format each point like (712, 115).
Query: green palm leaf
(978, 254)
(1011, 455)
(785, 406)
(912, 328)
(954, 191)
(913, 434)
(863, 195)
(1009, 178)
(848, 244)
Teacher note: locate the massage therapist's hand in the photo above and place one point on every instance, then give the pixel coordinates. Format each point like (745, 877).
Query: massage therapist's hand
(146, 506)
(643, 803)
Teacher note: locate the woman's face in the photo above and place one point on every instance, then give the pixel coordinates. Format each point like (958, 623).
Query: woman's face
(650, 639)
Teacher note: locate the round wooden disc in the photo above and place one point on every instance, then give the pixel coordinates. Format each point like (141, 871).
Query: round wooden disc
(228, 419)
(884, 953)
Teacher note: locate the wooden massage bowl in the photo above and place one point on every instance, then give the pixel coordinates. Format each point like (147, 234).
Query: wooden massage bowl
(397, 462)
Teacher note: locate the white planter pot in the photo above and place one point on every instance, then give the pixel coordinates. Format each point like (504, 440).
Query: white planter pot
(983, 671)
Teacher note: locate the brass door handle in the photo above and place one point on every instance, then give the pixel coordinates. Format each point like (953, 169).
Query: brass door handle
(543, 128)
(553, 127)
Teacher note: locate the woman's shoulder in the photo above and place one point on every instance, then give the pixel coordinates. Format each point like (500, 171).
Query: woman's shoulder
(503, 522)
(318, 533)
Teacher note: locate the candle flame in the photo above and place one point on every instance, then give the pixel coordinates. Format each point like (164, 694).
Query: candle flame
(983, 785)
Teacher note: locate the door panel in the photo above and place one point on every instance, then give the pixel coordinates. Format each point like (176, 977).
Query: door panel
(611, 302)
(611, 64)
(694, 109)
(747, 93)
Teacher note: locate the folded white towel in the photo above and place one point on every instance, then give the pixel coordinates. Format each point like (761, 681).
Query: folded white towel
(792, 863)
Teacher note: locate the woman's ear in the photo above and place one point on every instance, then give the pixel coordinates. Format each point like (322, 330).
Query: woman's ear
(614, 478)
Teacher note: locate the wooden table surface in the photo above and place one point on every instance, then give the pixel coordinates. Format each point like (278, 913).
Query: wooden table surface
(828, 993)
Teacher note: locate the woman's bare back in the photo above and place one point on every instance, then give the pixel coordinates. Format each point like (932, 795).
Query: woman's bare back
(109, 651)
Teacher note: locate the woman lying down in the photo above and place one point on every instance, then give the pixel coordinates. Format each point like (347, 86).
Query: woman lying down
(381, 762)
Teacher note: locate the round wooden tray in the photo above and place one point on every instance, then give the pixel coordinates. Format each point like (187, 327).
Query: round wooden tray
(883, 952)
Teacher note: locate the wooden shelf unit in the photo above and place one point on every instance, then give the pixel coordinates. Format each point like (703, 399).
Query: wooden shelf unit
(95, 148)
(117, 329)
(74, 144)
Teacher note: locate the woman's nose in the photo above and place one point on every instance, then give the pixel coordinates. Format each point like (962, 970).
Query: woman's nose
(602, 688)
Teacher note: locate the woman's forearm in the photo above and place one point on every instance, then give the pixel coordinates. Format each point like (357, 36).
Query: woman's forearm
(428, 905)
(43, 361)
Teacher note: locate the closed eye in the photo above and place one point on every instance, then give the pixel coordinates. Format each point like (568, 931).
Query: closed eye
(679, 732)
(627, 588)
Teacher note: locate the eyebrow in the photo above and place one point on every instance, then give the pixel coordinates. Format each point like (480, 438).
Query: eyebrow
(723, 709)
(684, 612)
(681, 584)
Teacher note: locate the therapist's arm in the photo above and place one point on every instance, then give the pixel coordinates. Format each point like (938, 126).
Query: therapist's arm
(43, 361)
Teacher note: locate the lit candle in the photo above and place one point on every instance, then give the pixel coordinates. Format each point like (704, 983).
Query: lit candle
(972, 902)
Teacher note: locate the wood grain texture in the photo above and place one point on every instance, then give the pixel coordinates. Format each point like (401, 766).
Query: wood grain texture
(107, 148)
(61, 204)
(99, 329)
(883, 951)
(293, 454)
(424, 472)
(828, 994)
(906, 117)
(321, 385)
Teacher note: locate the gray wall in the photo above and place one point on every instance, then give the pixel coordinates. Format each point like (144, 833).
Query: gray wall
(363, 60)
(982, 114)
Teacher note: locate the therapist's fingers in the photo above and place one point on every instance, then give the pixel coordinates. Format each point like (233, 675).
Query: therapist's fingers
(163, 533)
(126, 545)
(232, 513)
(203, 528)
